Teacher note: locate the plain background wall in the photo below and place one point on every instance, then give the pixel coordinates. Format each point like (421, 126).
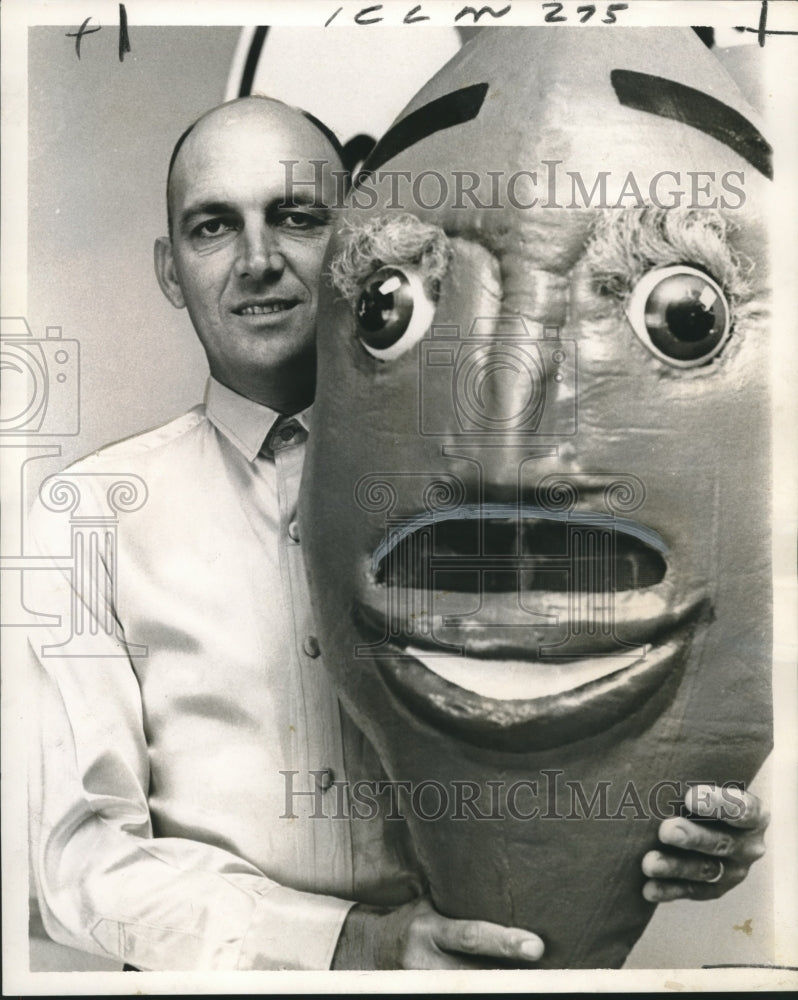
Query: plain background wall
(101, 133)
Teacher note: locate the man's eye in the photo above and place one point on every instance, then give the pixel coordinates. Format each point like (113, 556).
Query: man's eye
(393, 312)
(681, 314)
(212, 228)
(302, 220)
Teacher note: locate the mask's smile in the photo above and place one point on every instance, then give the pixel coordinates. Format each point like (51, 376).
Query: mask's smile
(524, 628)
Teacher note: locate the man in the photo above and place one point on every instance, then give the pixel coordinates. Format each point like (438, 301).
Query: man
(167, 740)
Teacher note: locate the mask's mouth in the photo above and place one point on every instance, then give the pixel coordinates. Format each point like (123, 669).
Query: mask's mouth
(533, 551)
(524, 627)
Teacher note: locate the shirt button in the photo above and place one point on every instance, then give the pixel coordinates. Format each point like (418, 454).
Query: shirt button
(325, 779)
(293, 531)
(311, 646)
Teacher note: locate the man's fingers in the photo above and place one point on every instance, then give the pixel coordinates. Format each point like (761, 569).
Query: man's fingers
(478, 937)
(738, 808)
(666, 890)
(716, 839)
(691, 867)
(713, 852)
(437, 942)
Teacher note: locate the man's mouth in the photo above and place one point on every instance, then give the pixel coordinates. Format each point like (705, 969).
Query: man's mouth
(525, 630)
(266, 308)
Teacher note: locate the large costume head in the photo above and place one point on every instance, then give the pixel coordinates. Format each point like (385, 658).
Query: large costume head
(536, 497)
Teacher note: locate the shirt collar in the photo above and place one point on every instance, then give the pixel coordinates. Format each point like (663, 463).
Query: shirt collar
(243, 422)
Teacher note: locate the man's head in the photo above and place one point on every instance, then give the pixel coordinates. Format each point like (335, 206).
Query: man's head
(244, 253)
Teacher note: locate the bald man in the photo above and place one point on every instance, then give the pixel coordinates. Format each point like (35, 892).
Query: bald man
(163, 833)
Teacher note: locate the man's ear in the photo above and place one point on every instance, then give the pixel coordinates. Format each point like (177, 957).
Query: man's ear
(166, 272)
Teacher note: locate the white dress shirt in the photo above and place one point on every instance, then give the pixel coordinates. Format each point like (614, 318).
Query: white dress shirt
(184, 678)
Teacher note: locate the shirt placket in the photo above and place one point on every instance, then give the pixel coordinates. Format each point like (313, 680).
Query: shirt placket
(323, 832)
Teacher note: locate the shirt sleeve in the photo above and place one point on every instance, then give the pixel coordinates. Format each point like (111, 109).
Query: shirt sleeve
(104, 883)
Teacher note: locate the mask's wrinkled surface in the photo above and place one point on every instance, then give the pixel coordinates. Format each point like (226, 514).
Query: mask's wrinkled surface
(663, 614)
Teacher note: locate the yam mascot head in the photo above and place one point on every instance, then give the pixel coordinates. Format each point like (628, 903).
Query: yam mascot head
(535, 504)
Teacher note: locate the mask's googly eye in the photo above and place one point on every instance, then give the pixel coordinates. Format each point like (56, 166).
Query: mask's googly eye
(393, 312)
(680, 314)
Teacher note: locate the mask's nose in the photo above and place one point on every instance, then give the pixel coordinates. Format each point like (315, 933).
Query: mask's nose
(510, 379)
(504, 383)
(503, 377)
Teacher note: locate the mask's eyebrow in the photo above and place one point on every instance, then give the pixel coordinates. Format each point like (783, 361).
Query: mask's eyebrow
(625, 245)
(454, 108)
(389, 240)
(670, 99)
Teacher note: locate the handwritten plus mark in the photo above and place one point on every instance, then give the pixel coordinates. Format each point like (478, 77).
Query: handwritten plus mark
(124, 40)
(78, 35)
(762, 31)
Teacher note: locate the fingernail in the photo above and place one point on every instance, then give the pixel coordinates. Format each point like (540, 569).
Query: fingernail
(651, 892)
(677, 835)
(532, 948)
(654, 864)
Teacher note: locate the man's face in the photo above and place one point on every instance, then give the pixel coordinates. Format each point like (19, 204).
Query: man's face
(246, 254)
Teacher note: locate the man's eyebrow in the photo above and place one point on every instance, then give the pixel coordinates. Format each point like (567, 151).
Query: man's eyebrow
(205, 208)
(302, 199)
(670, 99)
(455, 108)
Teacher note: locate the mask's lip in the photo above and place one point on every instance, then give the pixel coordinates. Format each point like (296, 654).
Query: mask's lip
(502, 627)
(486, 511)
(521, 725)
(503, 630)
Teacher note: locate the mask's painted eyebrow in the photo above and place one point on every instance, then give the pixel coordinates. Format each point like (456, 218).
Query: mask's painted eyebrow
(670, 99)
(454, 108)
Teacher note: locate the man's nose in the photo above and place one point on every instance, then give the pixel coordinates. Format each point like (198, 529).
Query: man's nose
(259, 252)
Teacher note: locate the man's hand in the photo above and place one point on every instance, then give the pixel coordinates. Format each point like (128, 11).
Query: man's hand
(711, 857)
(416, 936)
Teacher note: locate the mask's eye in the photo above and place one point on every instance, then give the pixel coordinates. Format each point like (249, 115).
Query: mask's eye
(393, 312)
(680, 314)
